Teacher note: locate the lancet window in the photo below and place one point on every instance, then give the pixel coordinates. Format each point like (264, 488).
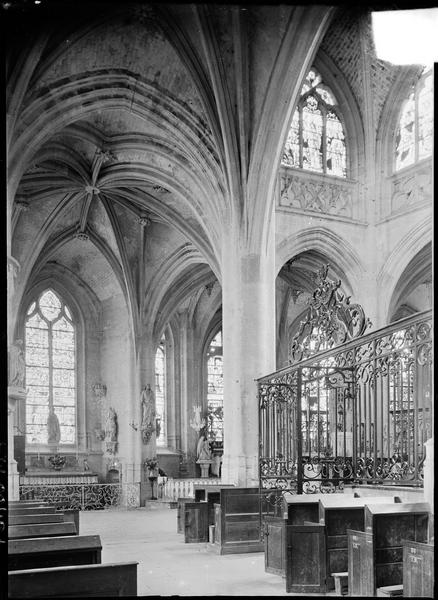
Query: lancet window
(160, 393)
(316, 140)
(414, 136)
(215, 394)
(51, 369)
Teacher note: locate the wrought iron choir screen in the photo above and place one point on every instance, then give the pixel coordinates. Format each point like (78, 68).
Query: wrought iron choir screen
(351, 407)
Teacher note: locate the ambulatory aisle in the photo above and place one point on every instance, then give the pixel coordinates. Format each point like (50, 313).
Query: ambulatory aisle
(167, 566)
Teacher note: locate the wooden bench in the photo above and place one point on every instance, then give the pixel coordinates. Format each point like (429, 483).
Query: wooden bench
(195, 522)
(112, 579)
(418, 570)
(237, 521)
(296, 509)
(180, 527)
(326, 539)
(375, 555)
(26, 503)
(389, 591)
(38, 530)
(210, 494)
(36, 553)
(32, 510)
(35, 518)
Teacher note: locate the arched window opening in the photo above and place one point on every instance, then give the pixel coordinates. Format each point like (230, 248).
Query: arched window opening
(316, 140)
(51, 369)
(160, 393)
(215, 389)
(413, 140)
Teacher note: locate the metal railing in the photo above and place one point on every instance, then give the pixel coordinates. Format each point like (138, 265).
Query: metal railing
(84, 496)
(360, 411)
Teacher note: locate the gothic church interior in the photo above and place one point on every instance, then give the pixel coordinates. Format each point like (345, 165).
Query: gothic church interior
(181, 178)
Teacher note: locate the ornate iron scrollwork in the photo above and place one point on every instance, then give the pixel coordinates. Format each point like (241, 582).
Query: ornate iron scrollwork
(330, 320)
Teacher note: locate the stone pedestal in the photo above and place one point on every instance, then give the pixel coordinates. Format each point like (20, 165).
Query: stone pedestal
(15, 394)
(205, 467)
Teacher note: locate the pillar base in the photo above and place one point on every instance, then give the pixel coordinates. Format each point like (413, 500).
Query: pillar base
(240, 470)
(13, 481)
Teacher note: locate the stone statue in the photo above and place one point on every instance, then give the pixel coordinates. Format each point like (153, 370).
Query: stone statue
(111, 425)
(53, 429)
(203, 449)
(148, 424)
(16, 364)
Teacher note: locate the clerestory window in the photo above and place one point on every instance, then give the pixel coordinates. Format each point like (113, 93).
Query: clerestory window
(316, 140)
(51, 371)
(414, 136)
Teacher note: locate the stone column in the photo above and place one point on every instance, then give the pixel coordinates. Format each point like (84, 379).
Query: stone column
(248, 300)
(15, 395)
(428, 480)
(146, 370)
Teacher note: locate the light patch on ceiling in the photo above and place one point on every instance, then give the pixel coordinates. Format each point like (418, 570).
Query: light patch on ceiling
(406, 37)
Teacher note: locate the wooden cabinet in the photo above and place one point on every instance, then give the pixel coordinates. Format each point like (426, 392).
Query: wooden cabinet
(375, 556)
(418, 570)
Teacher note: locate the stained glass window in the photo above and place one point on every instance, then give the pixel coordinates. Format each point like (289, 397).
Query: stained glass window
(413, 140)
(215, 390)
(316, 140)
(160, 393)
(50, 351)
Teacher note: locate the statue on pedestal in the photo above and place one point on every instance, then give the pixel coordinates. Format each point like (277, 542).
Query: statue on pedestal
(204, 455)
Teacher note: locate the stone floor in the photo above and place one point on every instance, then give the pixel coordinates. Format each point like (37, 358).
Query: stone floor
(166, 565)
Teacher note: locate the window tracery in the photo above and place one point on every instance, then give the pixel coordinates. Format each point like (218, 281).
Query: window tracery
(215, 393)
(50, 355)
(160, 394)
(316, 140)
(413, 140)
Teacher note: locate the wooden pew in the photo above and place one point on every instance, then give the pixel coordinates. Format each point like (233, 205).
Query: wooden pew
(296, 509)
(237, 521)
(38, 530)
(27, 503)
(375, 553)
(33, 510)
(418, 570)
(328, 539)
(195, 522)
(337, 518)
(210, 494)
(113, 579)
(36, 553)
(180, 526)
(56, 517)
(22, 517)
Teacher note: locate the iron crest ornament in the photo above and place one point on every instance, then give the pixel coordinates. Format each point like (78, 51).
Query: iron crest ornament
(330, 320)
